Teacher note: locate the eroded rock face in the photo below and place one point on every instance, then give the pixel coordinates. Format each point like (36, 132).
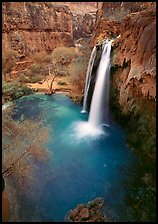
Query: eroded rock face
(30, 27)
(83, 25)
(116, 10)
(135, 54)
(104, 29)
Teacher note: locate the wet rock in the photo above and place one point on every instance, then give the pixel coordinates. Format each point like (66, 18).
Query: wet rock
(84, 213)
(92, 212)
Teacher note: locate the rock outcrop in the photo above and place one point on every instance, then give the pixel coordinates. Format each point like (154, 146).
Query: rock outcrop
(29, 27)
(92, 212)
(84, 18)
(83, 25)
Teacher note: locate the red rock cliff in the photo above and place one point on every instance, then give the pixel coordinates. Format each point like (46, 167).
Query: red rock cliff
(137, 49)
(35, 26)
(134, 52)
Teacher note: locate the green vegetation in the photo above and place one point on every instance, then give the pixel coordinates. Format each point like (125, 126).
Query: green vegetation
(61, 83)
(64, 55)
(14, 90)
(140, 127)
(8, 60)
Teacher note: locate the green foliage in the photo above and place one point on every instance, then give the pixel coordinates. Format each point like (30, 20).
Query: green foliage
(14, 90)
(140, 128)
(35, 73)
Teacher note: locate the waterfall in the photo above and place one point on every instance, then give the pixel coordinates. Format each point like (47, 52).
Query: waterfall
(88, 79)
(99, 110)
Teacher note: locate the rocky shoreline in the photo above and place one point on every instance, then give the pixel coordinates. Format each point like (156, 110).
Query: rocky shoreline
(60, 85)
(90, 212)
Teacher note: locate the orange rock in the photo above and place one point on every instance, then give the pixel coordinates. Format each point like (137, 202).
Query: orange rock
(84, 213)
(37, 26)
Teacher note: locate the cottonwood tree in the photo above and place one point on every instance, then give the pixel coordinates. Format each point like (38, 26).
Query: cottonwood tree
(22, 144)
(50, 87)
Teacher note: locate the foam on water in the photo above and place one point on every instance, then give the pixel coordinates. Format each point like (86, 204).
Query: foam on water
(84, 130)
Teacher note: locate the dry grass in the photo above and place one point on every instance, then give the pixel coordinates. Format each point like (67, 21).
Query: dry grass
(42, 57)
(64, 55)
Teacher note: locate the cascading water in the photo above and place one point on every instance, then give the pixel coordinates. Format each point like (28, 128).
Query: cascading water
(99, 110)
(88, 79)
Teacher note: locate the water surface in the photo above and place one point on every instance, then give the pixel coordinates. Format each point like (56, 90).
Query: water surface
(81, 168)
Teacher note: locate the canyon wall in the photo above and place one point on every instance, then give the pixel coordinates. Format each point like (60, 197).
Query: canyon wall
(29, 27)
(84, 18)
(134, 52)
(135, 58)
(83, 25)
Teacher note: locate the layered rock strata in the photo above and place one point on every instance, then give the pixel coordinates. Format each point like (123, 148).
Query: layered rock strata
(29, 27)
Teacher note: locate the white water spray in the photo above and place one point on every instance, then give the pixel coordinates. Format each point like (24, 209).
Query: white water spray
(99, 110)
(88, 79)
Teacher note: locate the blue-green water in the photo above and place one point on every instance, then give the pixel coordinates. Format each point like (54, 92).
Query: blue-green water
(82, 168)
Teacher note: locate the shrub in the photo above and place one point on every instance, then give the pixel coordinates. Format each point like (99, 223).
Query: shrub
(14, 90)
(35, 79)
(35, 68)
(63, 55)
(61, 83)
(35, 73)
(8, 60)
(61, 72)
(77, 70)
(23, 78)
(42, 56)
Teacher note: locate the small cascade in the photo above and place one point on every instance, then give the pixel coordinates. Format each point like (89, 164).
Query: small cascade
(99, 110)
(88, 79)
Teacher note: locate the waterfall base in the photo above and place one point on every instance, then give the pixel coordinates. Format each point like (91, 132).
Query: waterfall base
(85, 130)
(84, 111)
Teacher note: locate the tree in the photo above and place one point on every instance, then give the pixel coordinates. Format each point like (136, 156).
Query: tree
(22, 143)
(51, 91)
